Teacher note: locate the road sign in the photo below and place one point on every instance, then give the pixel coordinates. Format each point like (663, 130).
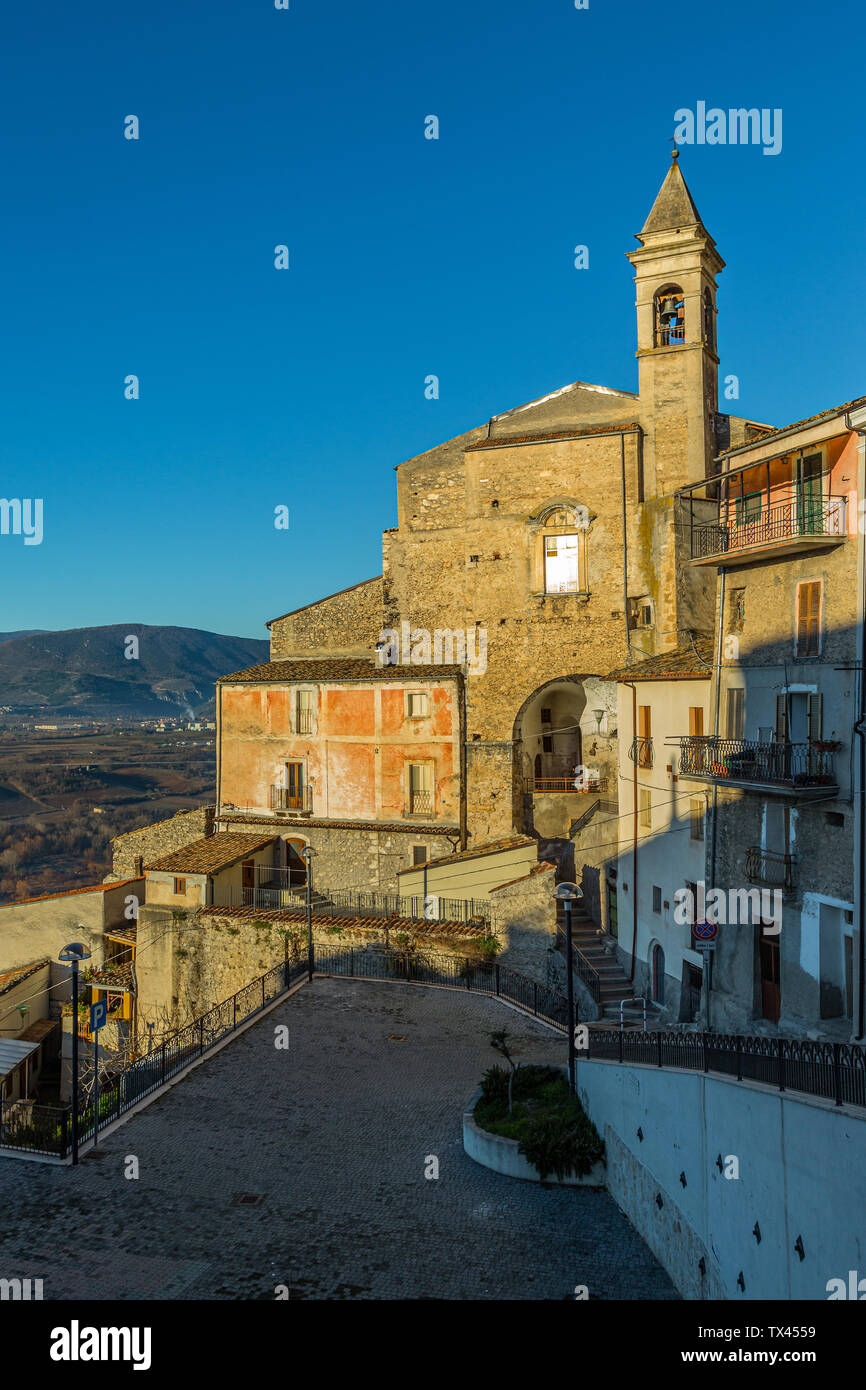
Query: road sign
(98, 1015)
(706, 931)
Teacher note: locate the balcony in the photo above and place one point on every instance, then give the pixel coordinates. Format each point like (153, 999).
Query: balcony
(790, 769)
(771, 870)
(291, 799)
(641, 752)
(590, 780)
(745, 529)
(420, 803)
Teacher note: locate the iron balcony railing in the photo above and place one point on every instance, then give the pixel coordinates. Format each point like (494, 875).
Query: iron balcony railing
(740, 529)
(420, 803)
(305, 721)
(641, 752)
(790, 765)
(774, 870)
(284, 799)
(672, 333)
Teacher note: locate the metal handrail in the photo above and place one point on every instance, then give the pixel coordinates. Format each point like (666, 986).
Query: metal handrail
(635, 999)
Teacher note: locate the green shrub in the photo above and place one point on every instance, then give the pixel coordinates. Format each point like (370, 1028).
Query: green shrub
(551, 1127)
(562, 1141)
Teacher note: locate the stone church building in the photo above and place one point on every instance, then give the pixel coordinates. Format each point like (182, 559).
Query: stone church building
(532, 555)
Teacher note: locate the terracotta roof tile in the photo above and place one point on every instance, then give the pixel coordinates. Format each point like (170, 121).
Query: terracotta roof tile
(339, 669)
(71, 892)
(10, 978)
(686, 663)
(797, 424)
(504, 441)
(209, 855)
(406, 827)
(356, 923)
(489, 847)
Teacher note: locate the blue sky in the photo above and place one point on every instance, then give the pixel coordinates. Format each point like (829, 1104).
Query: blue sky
(408, 257)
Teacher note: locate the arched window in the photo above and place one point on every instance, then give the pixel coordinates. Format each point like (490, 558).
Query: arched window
(670, 316)
(709, 321)
(561, 549)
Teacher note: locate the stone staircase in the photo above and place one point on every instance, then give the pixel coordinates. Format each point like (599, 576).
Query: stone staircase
(614, 983)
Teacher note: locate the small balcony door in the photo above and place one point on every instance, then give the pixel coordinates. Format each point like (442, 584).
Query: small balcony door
(295, 786)
(248, 881)
(810, 495)
(420, 789)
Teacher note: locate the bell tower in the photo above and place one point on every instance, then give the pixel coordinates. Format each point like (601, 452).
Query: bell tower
(675, 281)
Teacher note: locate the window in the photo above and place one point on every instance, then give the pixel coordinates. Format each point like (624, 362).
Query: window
(419, 855)
(547, 743)
(738, 610)
(657, 898)
(808, 638)
(736, 713)
(305, 712)
(696, 721)
(646, 815)
(696, 815)
(545, 715)
(709, 325)
(644, 750)
(560, 565)
(418, 704)
(420, 789)
(640, 612)
(180, 885)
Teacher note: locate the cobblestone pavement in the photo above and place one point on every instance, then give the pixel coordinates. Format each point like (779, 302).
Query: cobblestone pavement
(334, 1133)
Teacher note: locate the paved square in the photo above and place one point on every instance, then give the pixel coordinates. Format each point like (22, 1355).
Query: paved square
(335, 1133)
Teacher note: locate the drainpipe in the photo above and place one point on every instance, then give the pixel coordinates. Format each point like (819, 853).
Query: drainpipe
(856, 420)
(461, 702)
(633, 689)
(720, 620)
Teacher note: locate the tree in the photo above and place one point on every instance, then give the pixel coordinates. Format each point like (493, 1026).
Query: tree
(500, 1043)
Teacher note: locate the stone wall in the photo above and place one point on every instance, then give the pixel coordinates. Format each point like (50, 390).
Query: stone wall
(153, 841)
(187, 963)
(524, 920)
(355, 857)
(344, 624)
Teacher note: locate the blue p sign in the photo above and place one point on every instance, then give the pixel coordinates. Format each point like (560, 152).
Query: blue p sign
(98, 1014)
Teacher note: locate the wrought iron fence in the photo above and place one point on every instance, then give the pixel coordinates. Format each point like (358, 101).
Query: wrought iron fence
(834, 1071)
(752, 524)
(745, 760)
(641, 751)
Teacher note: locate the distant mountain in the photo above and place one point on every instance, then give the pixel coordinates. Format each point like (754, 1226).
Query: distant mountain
(25, 632)
(86, 670)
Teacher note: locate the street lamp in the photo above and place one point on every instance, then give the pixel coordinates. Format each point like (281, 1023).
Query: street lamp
(72, 955)
(568, 893)
(307, 854)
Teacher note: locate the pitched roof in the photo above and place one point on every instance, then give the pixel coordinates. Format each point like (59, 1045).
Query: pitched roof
(304, 606)
(322, 916)
(71, 892)
(10, 978)
(396, 827)
(674, 205)
(506, 441)
(208, 855)
(693, 661)
(770, 433)
(339, 669)
(489, 847)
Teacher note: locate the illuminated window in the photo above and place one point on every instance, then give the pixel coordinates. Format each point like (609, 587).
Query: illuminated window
(560, 565)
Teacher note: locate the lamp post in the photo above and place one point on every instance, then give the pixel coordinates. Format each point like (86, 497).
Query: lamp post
(72, 955)
(308, 860)
(568, 893)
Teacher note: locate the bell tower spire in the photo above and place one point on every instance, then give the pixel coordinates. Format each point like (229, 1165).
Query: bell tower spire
(675, 280)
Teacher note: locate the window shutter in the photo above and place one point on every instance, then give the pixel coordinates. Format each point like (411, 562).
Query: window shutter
(781, 718)
(815, 703)
(808, 610)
